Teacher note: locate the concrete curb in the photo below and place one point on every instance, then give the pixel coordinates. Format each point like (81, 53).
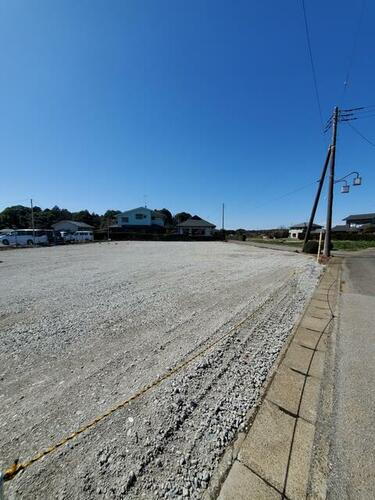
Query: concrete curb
(273, 459)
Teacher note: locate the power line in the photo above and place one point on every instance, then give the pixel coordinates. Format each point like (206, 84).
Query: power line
(364, 116)
(312, 63)
(284, 195)
(361, 112)
(361, 135)
(354, 48)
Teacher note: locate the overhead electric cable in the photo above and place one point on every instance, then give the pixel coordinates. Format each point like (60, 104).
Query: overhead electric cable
(354, 48)
(284, 195)
(361, 135)
(307, 30)
(364, 116)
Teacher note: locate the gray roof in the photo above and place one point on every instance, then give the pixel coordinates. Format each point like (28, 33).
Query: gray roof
(360, 217)
(303, 225)
(344, 228)
(75, 222)
(152, 212)
(196, 223)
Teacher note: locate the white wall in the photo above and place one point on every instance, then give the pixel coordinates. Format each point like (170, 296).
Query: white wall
(134, 221)
(293, 233)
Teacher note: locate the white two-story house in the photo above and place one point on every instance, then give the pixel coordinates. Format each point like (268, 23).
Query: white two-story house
(141, 216)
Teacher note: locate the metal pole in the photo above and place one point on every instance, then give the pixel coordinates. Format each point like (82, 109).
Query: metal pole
(327, 239)
(222, 218)
(32, 219)
(317, 197)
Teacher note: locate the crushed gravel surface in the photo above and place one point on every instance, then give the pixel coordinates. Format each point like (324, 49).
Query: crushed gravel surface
(84, 327)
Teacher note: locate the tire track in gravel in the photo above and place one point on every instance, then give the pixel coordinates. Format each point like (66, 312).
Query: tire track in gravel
(34, 421)
(173, 438)
(211, 393)
(167, 443)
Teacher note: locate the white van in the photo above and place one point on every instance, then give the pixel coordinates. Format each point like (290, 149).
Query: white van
(83, 236)
(23, 237)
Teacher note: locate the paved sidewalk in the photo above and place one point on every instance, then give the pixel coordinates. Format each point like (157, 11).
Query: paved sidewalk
(273, 460)
(353, 433)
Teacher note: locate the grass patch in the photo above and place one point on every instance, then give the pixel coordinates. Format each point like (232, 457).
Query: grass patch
(352, 245)
(279, 241)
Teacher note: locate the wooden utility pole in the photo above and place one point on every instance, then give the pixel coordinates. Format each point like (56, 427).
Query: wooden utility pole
(32, 219)
(317, 197)
(222, 219)
(327, 240)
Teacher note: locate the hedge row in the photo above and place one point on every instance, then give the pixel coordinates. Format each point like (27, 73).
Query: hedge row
(153, 237)
(349, 236)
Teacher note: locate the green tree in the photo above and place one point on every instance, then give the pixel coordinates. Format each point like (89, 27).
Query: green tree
(181, 217)
(109, 218)
(89, 218)
(167, 214)
(17, 216)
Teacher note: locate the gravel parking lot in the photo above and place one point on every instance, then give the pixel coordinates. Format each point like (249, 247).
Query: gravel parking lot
(84, 327)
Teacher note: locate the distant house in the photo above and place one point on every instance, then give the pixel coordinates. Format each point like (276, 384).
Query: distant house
(195, 226)
(342, 228)
(72, 226)
(297, 231)
(359, 220)
(140, 217)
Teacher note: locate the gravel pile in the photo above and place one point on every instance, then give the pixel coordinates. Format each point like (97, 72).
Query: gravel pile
(85, 327)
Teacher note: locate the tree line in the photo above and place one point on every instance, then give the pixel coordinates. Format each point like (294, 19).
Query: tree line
(19, 217)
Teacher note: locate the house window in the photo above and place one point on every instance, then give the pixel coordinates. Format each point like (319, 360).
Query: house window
(153, 217)
(125, 220)
(140, 216)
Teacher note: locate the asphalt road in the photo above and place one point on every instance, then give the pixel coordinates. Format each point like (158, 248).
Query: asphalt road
(353, 447)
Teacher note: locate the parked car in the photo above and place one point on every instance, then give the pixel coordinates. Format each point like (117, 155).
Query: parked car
(54, 237)
(67, 236)
(23, 237)
(83, 236)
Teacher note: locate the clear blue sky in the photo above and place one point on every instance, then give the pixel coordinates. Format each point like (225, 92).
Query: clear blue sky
(188, 102)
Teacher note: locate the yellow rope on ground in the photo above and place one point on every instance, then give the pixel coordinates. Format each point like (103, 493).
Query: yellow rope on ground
(13, 470)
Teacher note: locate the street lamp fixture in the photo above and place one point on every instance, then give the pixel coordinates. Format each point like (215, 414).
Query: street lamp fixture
(345, 188)
(357, 181)
(330, 162)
